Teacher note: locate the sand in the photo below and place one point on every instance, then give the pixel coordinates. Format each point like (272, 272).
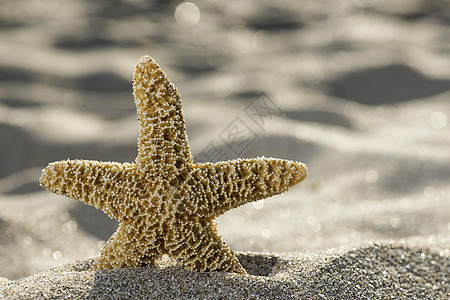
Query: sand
(373, 271)
(357, 90)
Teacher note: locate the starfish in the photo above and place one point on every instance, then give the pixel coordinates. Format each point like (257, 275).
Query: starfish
(166, 204)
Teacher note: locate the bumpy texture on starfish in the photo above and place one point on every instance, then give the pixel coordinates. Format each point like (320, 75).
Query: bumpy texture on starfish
(164, 202)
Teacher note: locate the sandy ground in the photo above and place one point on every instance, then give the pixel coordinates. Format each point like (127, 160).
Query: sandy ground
(357, 90)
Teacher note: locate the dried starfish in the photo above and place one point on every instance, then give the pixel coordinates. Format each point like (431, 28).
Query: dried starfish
(164, 202)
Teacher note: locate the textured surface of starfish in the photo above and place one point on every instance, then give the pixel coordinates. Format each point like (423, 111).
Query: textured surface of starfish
(166, 204)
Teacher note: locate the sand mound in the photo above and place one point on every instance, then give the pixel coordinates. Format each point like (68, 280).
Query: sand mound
(374, 271)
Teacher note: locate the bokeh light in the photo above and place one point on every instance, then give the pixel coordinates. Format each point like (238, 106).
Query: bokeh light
(187, 14)
(438, 120)
(372, 176)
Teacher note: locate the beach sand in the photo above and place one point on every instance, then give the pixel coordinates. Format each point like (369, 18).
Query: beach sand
(373, 271)
(357, 90)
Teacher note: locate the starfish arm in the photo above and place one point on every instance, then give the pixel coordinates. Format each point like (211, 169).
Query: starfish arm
(228, 185)
(203, 249)
(122, 251)
(104, 185)
(163, 144)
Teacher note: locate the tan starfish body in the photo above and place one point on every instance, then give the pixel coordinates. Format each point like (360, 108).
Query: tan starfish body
(164, 202)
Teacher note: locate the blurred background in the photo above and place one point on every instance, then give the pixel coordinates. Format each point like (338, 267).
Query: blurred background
(359, 90)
